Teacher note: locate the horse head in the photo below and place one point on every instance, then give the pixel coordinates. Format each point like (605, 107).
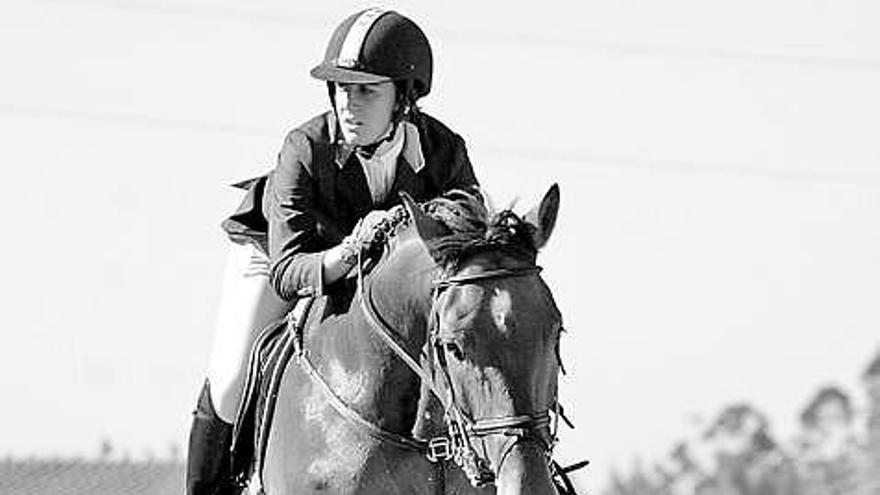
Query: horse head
(492, 350)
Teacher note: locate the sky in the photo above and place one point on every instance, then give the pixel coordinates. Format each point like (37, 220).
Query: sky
(718, 238)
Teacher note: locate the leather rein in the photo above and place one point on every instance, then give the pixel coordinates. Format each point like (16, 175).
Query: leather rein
(457, 445)
(462, 429)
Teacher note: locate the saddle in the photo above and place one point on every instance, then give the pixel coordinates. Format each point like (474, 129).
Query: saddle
(268, 359)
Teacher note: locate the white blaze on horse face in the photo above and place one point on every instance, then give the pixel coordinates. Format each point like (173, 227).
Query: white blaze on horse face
(500, 305)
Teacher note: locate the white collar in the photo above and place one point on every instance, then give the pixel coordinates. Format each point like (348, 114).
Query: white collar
(406, 133)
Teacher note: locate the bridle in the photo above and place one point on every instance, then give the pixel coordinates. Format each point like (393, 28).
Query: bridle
(462, 429)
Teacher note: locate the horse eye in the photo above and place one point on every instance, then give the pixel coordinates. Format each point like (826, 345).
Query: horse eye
(454, 349)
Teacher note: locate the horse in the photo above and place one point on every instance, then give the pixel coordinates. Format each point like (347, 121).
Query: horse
(439, 375)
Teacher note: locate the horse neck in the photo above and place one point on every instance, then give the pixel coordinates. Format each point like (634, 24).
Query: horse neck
(397, 293)
(399, 288)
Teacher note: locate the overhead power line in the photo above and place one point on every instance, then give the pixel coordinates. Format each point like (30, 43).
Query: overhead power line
(539, 156)
(674, 52)
(217, 12)
(128, 118)
(646, 50)
(690, 167)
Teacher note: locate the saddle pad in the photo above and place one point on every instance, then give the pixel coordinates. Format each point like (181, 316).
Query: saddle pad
(268, 359)
(244, 435)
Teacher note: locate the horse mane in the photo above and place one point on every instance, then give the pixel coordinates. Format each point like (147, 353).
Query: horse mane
(472, 228)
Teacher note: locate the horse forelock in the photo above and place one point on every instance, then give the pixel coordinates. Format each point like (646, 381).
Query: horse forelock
(472, 228)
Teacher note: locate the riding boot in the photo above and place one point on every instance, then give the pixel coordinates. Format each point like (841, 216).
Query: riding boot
(209, 457)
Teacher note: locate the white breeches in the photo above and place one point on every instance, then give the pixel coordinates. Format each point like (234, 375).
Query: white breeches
(247, 305)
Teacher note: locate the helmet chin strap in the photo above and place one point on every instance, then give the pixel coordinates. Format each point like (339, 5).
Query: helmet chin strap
(405, 106)
(367, 151)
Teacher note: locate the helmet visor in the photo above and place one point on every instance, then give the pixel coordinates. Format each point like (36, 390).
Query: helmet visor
(334, 73)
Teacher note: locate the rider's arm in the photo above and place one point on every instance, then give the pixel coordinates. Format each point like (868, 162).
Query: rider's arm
(336, 263)
(300, 235)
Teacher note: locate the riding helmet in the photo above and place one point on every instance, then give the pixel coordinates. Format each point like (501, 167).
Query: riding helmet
(377, 45)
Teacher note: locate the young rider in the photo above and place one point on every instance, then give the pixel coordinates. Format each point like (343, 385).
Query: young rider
(300, 227)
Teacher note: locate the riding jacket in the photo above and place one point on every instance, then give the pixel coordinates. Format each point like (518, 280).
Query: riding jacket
(318, 191)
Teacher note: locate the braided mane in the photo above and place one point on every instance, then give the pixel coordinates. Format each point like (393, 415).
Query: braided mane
(472, 227)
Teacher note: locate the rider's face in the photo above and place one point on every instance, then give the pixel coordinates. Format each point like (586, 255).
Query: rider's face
(364, 110)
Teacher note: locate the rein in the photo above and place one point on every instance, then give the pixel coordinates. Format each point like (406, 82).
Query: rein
(461, 428)
(457, 445)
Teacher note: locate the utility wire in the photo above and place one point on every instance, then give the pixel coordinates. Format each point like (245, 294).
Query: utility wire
(645, 50)
(536, 155)
(127, 118)
(689, 167)
(217, 12)
(673, 52)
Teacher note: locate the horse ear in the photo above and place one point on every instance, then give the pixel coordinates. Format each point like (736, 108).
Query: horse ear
(542, 218)
(427, 227)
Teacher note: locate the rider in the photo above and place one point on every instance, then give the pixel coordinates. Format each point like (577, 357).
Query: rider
(300, 227)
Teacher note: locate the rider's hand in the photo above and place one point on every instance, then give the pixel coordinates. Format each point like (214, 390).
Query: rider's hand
(365, 231)
(361, 237)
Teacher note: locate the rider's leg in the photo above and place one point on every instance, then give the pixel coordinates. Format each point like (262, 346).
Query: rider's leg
(208, 461)
(247, 305)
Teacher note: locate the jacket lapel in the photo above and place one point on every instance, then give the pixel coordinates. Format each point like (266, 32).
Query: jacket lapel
(352, 188)
(405, 179)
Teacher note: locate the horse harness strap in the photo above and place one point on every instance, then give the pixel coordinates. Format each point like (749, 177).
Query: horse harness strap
(487, 275)
(347, 412)
(457, 444)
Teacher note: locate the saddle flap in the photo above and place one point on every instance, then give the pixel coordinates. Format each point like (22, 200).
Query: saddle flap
(269, 356)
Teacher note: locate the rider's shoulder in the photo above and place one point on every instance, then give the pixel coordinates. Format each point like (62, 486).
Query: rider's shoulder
(317, 128)
(436, 137)
(310, 137)
(432, 125)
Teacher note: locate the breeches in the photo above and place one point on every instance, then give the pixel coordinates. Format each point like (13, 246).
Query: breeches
(247, 304)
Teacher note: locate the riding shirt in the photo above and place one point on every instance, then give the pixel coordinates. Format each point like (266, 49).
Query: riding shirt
(319, 190)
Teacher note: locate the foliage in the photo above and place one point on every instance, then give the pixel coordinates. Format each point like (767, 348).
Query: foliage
(835, 453)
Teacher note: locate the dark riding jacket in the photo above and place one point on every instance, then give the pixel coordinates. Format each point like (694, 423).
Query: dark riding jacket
(318, 191)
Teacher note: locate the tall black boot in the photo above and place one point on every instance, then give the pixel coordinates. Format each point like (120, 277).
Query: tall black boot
(208, 459)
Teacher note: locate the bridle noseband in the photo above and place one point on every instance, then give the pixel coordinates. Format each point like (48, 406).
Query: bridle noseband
(462, 429)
